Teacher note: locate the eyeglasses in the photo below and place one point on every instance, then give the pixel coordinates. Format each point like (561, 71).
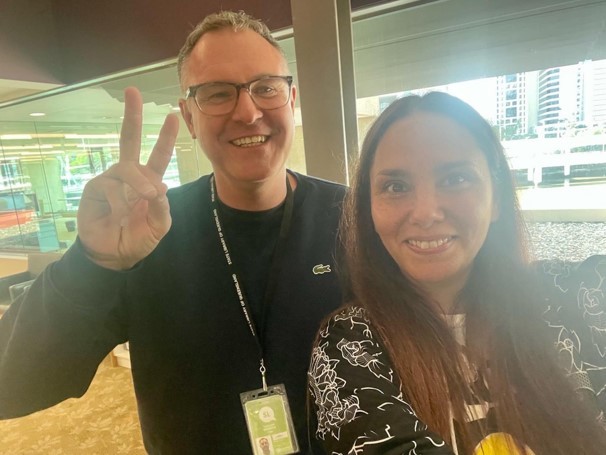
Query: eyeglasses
(220, 98)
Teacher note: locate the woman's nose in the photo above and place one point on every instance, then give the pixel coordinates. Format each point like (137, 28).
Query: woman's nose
(427, 208)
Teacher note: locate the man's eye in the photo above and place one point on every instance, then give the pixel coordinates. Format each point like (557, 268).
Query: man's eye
(265, 91)
(215, 97)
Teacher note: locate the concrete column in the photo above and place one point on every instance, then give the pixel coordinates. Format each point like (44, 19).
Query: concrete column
(324, 52)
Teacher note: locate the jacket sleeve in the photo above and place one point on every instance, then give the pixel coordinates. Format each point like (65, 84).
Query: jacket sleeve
(356, 396)
(53, 337)
(575, 312)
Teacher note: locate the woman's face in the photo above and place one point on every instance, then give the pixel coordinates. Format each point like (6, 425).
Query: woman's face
(431, 199)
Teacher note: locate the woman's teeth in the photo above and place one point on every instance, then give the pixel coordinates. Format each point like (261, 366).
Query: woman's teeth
(425, 245)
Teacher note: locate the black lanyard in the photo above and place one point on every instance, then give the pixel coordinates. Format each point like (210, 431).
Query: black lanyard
(272, 280)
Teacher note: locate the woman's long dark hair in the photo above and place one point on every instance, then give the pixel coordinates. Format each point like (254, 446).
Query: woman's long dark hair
(533, 400)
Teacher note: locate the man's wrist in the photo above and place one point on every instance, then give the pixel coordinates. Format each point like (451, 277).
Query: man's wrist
(108, 262)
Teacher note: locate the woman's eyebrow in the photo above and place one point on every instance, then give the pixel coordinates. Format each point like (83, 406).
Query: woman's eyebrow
(444, 167)
(393, 172)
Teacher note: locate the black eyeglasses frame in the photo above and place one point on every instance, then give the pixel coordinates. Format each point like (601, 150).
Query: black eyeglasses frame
(191, 91)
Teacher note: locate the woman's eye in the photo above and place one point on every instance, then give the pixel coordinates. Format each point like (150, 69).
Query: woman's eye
(455, 180)
(395, 187)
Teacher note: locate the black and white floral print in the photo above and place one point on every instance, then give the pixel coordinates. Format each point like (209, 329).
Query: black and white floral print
(359, 404)
(575, 310)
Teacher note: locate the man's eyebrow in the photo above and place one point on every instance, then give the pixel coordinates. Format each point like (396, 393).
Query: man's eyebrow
(223, 81)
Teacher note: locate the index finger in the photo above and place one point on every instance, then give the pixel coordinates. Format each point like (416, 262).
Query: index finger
(130, 134)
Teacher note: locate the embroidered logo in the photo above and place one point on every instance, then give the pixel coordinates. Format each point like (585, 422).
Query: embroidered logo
(320, 269)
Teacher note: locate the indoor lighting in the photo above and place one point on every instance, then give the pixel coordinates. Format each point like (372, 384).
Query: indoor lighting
(8, 137)
(34, 154)
(27, 147)
(37, 114)
(108, 144)
(92, 136)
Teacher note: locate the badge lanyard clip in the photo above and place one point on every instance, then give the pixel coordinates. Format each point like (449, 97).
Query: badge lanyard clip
(262, 371)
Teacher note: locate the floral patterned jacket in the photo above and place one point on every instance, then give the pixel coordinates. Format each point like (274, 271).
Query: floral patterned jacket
(359, 406)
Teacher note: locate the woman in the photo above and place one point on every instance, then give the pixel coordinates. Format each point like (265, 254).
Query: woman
(447, 345)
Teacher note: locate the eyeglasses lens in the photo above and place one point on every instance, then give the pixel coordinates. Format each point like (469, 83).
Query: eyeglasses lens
(220, 98)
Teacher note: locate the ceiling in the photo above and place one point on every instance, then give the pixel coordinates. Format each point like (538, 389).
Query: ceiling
(97, 103)
(72, 31)
(11, 89)
(424, 46)
(90, 113)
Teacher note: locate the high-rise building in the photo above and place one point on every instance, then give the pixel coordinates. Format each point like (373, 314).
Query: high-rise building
(559, 104)
(515, 104)
(597, 91)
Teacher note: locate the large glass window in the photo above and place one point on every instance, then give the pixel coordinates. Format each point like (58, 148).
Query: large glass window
(536, 70)
(46, 160)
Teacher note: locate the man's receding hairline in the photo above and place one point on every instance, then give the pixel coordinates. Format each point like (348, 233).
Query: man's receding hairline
(234, 29)
(224, 20)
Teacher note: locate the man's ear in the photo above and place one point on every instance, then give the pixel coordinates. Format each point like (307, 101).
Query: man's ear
(293, 97)
(187, 116)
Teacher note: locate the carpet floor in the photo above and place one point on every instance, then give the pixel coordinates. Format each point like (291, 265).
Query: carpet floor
(103, 422)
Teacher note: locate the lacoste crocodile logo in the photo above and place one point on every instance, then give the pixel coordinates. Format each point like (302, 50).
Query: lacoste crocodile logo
(320, 269)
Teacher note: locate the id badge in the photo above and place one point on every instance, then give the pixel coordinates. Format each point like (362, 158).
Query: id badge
(269, 422)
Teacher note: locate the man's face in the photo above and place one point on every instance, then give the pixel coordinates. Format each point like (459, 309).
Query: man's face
(248, 145)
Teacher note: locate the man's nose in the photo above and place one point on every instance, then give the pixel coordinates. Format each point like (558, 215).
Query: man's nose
(246, 111)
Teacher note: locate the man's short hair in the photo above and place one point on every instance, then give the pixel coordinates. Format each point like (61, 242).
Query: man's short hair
(225, 19)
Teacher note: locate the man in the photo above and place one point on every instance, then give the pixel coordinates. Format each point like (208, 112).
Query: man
(218, 285)
(264, 446)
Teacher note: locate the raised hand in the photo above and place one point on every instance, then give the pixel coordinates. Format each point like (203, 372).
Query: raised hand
(124, 212)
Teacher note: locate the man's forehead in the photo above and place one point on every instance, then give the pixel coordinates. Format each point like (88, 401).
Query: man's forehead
(230, 55)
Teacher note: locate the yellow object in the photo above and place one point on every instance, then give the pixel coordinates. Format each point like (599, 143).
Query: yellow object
(499, 444)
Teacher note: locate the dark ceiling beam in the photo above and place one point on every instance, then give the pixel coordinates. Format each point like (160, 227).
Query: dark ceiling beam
(103, 37)
(70, 41)
(29, 50)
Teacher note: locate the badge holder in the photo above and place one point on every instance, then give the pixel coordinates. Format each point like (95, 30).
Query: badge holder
(269, 422)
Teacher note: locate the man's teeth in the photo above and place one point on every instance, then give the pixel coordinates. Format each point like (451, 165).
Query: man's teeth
(249, 141)
(425, 245)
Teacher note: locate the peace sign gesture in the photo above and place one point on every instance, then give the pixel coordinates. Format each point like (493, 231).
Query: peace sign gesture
(124, 212)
